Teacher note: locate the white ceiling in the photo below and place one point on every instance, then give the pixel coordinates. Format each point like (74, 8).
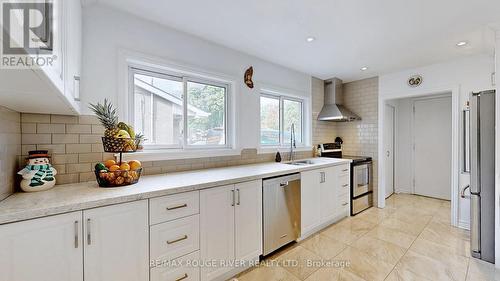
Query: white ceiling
(385, 35)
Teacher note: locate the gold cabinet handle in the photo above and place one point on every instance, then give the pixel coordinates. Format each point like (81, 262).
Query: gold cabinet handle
(177, 207)
(185, 276)
(177, 240)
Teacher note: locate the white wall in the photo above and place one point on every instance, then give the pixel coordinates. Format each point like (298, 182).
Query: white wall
(461, 77)
(108, 32)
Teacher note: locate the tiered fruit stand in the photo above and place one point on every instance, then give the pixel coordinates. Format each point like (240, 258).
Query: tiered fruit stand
(115, 178)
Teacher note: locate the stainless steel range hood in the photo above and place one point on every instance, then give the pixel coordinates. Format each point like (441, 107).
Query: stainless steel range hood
(333, 110)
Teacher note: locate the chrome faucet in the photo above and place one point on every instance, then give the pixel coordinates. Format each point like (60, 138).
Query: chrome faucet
(293, 145)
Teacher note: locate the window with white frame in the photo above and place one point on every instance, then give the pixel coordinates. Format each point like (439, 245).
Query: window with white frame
(277, 114)
(175, 111)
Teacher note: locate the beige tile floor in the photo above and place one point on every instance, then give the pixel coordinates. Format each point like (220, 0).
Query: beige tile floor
(411, 240)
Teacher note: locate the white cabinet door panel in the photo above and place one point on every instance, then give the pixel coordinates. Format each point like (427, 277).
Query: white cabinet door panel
(216, 229)
(248, 220)
(44, 249)
(328, 193)
(117, 242)
(310, 198)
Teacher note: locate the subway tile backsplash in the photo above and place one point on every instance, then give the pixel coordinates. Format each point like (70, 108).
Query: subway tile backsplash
(361, 137)
(10, 140)
(74, 143)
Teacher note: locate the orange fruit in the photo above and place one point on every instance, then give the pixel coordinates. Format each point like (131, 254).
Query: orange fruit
(134, 165)
(109, 163)
(125, 167)
(113, 168)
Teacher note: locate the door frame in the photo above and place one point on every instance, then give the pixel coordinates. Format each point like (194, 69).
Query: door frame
(455, 103)
(394, 136)
(412, 133)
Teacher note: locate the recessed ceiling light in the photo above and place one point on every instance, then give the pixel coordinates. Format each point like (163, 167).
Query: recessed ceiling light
(461, 43)
(310, 39)
(364, 68)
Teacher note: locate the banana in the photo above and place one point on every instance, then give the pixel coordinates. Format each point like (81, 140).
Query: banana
(128, 128)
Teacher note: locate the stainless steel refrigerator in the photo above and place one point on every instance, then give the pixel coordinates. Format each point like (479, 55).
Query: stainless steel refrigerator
(482, 188)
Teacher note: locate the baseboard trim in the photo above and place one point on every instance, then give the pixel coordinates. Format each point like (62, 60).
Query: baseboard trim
(320, 227)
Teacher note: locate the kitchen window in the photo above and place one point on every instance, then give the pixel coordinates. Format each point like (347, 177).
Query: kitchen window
(277, 114)
(178, 112)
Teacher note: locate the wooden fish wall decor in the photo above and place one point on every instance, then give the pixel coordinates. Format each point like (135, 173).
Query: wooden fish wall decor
(248, 77)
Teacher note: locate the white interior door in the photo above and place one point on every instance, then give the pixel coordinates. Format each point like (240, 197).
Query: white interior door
(389, 149)
(432, 147)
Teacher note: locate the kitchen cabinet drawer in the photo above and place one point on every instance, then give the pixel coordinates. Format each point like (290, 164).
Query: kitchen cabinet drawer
(344, 179)
(344, 211)
(344, 169)
(173, 207)
(343, 200)
(174, 239)
(344, 196)
(177, 270)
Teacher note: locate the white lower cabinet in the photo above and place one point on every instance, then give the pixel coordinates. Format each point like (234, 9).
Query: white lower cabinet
(216, 229)
(248, 220)
(230, 227)
(310, 198)
(328, 194)
(202, 235)
(44, 249)
(325, 196)
(116, 242)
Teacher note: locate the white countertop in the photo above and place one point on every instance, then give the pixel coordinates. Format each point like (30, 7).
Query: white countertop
(75, 197)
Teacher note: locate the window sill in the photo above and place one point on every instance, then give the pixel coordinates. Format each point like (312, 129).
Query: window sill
(281, 149)
(175, 154)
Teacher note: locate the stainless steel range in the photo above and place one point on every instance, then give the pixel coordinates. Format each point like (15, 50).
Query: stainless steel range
(361, 176)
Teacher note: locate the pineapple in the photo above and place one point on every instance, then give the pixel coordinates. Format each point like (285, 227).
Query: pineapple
(106, 114)
(108, 117)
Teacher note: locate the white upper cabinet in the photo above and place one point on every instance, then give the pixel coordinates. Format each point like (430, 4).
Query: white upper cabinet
(45, 249)
(116, 241)
(54, 87)
(73, 48)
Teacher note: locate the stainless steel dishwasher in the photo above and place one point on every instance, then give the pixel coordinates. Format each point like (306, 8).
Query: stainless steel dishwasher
(281, 211)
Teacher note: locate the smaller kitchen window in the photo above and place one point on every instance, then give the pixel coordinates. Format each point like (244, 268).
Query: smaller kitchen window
(277, 114)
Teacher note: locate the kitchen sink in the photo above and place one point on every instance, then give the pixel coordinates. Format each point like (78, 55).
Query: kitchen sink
(301, 163)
